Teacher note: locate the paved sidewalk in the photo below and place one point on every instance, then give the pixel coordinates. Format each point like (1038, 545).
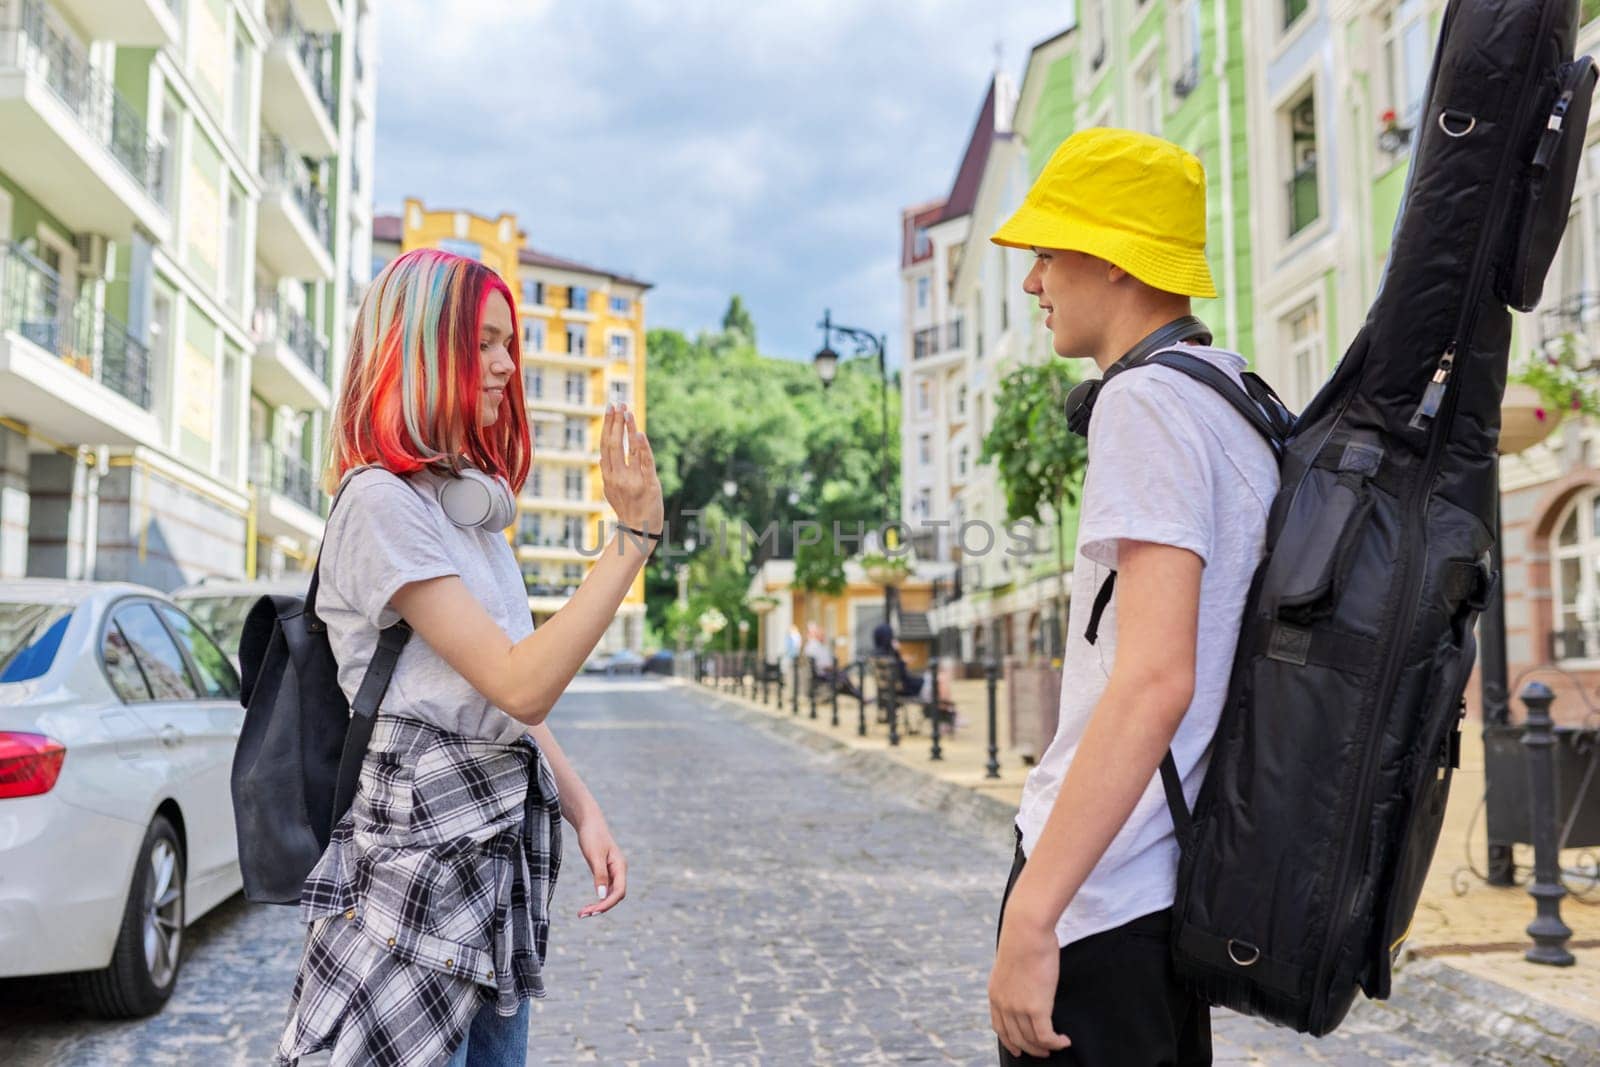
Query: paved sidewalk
(1470, 933)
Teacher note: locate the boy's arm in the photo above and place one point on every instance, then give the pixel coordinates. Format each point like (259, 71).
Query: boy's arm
(1151, 686)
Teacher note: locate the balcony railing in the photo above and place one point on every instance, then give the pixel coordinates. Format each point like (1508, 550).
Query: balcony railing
(288, 476)
(97, 344)
(35, 45)
(297, 334)
(314, 50)
(539, 588)
(932, 340)
(281, 166)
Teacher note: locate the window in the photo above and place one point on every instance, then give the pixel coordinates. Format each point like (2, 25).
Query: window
(922, 291)
(620, 345)
(239, 114)
(218, 680)
(921, 246)
(1303, 194)
(1575, 572)
(533, 292)
(122, 670)
(578, 298)
(155, 653)
(1292, 10)
(233, 279)
(961, 399)
(1147, 97)
(1100, 35)
(621, 305)
(572, 531)
(963, 458)
(924, 502)
(574, 483)
(1186, 47)
(532, 383)
(1407, 58)
(577, 387)
(924, 396)
(30, 635)
(536, 481)
(575, 435)
(530, 529)
(925, 449)
(470, 249)
(228, 417)
(577, 340)
(1302, 335)
(619, 393)
(533, 335)
(572, 573)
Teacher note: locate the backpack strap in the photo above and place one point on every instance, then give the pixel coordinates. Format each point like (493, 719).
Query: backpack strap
(374, 684)
(1257, 403)
(1170, 781)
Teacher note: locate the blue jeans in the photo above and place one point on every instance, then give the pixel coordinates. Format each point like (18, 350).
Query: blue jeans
(494, 1040)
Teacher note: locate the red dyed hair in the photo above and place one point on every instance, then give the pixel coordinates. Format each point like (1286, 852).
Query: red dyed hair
(414, 379)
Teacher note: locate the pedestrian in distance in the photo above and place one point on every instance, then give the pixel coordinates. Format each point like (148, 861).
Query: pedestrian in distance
(823, 664)
(428, 912)
(1174, 506)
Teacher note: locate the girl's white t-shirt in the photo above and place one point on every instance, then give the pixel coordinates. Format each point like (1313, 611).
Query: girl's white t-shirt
(1171, 463)
(385, 532)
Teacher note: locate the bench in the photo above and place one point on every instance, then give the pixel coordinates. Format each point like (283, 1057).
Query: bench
(885, 672)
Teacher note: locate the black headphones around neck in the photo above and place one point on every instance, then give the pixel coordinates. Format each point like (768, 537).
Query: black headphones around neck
(1080, 402)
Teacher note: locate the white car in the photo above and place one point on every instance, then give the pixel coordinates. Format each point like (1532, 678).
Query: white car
(221, 607)
(118, 721)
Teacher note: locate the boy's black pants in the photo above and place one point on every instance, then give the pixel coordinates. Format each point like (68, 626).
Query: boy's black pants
(1119, 1000)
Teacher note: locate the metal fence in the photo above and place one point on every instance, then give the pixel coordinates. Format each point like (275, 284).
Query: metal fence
(31, 43)
(34, 303)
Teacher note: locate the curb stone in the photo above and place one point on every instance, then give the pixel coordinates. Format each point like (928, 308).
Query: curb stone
(1460, 1015)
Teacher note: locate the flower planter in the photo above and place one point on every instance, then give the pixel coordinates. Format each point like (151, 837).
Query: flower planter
(1521, 426)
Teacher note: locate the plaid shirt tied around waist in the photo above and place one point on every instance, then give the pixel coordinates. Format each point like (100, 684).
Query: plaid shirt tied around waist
(432, 899)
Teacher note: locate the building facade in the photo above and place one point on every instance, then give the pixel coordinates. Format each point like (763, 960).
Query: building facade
(583, 337)
(181, 200)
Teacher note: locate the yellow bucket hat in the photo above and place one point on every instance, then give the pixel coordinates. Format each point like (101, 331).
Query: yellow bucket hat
(1130, 199)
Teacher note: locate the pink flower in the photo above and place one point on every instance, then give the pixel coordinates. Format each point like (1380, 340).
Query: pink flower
(1577, 402)
(1538, 413)
(1388, 118)
(1553, 361)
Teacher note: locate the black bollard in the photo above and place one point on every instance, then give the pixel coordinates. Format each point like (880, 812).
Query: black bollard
(894, 728)
(811, 688)
(861, 700)
(763, 669)
(933, 720)
(794, 696)
(1549, 933)
(778, 674)
(833, 684)
(991, 674)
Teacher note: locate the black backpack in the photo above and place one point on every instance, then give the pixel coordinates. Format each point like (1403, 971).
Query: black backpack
(300, 751)
(1303, 860)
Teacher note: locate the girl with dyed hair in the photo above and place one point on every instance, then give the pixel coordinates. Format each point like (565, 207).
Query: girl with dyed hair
(428, 912)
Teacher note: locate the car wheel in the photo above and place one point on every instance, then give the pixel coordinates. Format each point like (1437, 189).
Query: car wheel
(144, 964)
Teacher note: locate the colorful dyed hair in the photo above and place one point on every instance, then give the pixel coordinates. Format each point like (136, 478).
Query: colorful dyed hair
(414, 378)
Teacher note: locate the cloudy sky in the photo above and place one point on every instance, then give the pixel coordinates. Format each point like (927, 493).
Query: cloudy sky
(708, 146)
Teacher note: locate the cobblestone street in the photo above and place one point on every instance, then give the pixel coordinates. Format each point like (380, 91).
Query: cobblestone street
(780, 912)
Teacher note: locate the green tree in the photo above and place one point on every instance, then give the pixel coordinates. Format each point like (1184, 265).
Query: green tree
(1039, 459)
(737, 320)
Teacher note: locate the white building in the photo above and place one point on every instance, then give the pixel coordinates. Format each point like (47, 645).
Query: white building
(184, 203)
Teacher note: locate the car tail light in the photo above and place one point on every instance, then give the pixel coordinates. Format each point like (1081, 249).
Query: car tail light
(29, 764)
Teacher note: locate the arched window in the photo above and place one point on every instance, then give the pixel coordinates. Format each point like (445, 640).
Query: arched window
(1575, 575)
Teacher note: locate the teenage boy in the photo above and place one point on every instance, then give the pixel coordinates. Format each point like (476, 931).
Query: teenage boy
(1175, 504)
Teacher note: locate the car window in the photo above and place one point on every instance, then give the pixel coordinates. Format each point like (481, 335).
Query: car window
(217, 678)
(127, 680)
(29, 637)
(221, 616)
(156, 652)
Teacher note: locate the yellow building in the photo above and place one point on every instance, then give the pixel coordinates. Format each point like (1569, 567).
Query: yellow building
(582, 345)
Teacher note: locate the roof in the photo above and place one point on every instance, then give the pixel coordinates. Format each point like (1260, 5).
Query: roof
(391, 228)
(534, 258)
(990, 124)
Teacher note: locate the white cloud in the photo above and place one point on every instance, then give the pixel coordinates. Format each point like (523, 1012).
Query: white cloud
(711, 146)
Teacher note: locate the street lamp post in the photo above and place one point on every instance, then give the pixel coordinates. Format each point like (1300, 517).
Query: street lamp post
(827, 363)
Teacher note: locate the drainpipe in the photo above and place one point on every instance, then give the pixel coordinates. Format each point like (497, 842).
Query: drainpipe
(1230, 263)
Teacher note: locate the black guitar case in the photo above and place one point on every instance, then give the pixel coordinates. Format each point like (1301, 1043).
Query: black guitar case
(1323, 802)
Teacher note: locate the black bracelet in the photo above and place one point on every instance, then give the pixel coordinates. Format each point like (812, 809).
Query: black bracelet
(639, 533)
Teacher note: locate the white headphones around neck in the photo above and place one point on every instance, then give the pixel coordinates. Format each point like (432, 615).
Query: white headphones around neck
(473, 498)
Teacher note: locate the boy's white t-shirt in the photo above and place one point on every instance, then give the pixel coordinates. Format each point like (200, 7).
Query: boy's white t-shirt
(1173, 463)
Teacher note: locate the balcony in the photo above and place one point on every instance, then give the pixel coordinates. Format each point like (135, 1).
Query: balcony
(934, 340)
(297, 97)
(1303, 205)
(68, 369)
(289, 503)
(320, 16)
(139, 23)
(76, 143)
(295, 235)
(291, 362)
